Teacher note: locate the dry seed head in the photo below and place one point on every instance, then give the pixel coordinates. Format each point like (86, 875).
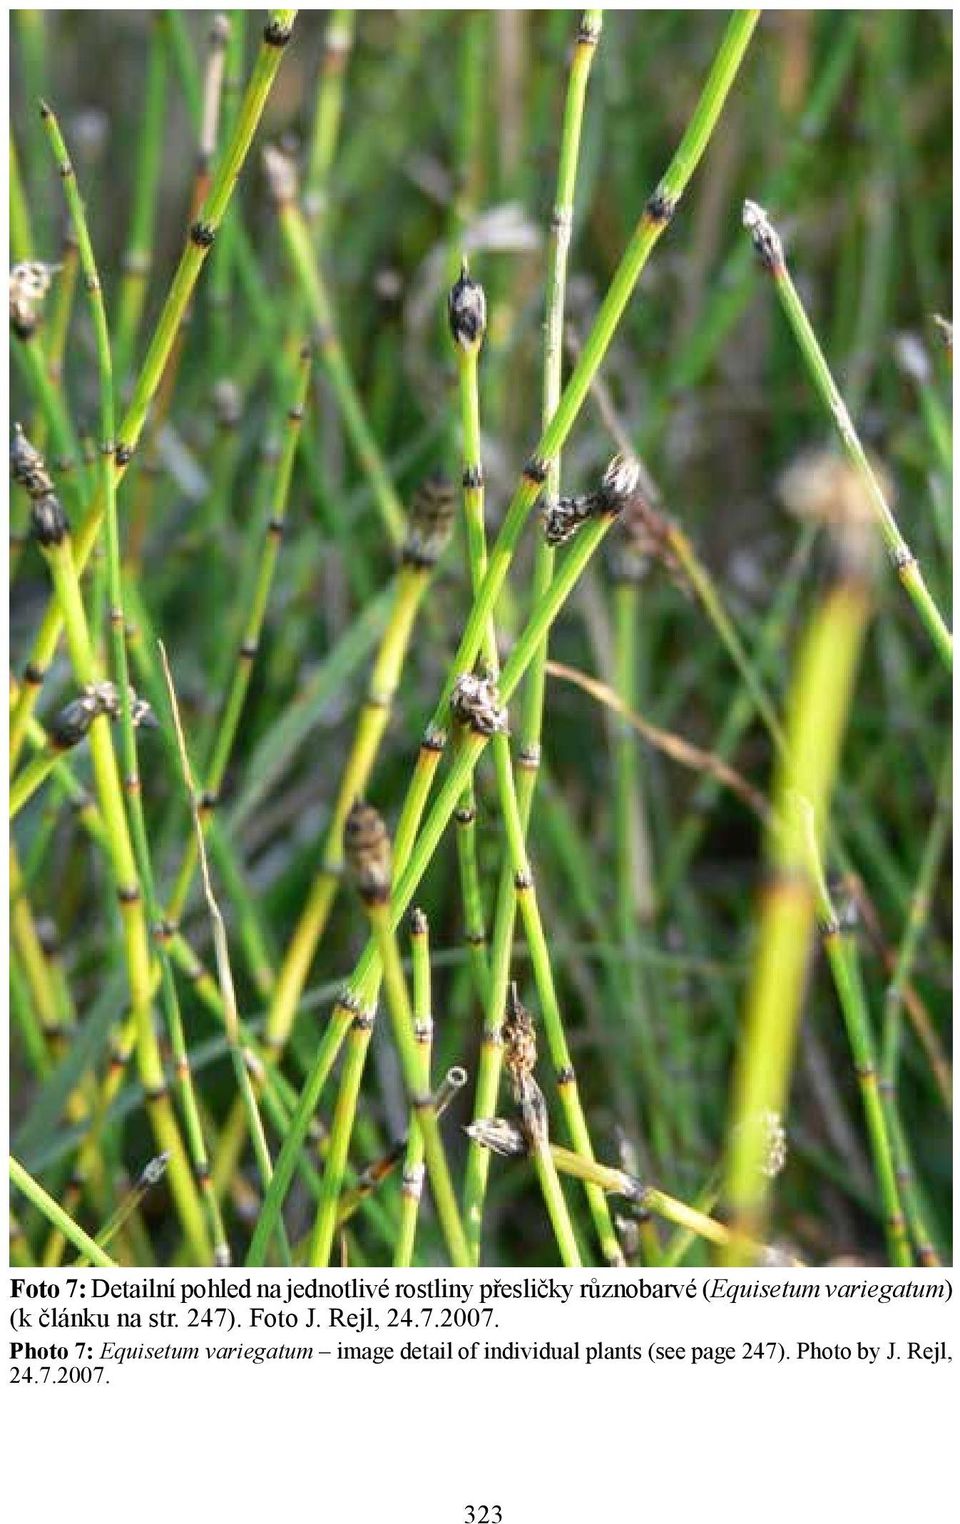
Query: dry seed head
(563, 517)
(619, 483)
(29, 283)
(519, 1041)
(475, 701)
(106, 697)
(27, 466)
(71, 724)
(467, 311)
(282, 177)
(154, 1170)
(499, 1135)
(432, 512)
(533, 1113)
(366, 846)
(766, 239)
(48, 521)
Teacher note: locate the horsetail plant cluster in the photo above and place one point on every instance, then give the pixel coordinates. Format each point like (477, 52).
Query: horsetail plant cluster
(631, 868)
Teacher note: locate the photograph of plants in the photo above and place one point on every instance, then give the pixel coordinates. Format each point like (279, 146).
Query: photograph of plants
(480, 555)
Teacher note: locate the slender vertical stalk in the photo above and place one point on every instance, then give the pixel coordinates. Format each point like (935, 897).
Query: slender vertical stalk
(411, 1188)
(200, 240)
(841, 952)
(368, 853)
(467, 307)
(337, 45)
(300, 251)
(904, 562)
(430, 523)
(138, 255)
(235, 697)
(133, 849)
(919, 912)
(820, 695)
(468, 317)
(412, 1064)
(231, 1015)
(373, 1175)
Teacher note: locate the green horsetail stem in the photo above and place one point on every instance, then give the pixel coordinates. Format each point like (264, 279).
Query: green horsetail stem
(337, 45)
(411, 1188)
(844, 962)
(30, 777)
(300, 251)
(24, 1182)
(467, 312)
(138, 832)
(373, 1175)
(657, 214)
(428, 531)
(921, 902)
(150, 1176)
(200, 240)
(228, 724)
(818, 706)
(770, 251)
(413, 1062)
(122, 861)
(138, 254)
(368, 854)
(231, 1015)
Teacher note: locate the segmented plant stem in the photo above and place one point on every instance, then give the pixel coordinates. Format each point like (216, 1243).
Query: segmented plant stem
(228, 724)
(410, 586)
(138, 255)
(199, 243)
(143, 876)
(337, 45)
(902, 558)
(306, 267)
(841, 952)
(22, 1181)
(917, 917)
(820, 695)
(411, 1188)
(528, 752)
(231, 1014)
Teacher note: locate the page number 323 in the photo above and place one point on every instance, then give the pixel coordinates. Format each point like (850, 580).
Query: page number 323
(482, 1513)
